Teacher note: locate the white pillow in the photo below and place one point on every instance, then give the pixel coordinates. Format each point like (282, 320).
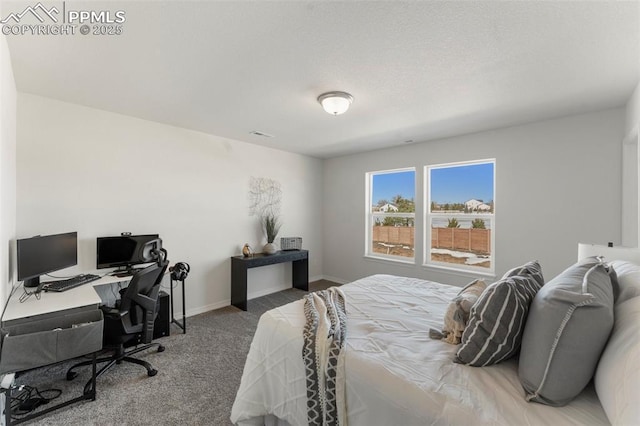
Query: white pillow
(617, 377)
(628, 275)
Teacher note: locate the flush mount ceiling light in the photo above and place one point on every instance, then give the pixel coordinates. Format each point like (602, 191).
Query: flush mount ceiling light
(335, 102)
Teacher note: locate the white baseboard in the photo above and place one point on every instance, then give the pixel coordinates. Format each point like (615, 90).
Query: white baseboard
(274, 289)
(266, 291)
(206, 308)
(253, 295)
(335, 280)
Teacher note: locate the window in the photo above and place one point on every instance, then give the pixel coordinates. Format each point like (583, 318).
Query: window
(391, 214)
(460, 221)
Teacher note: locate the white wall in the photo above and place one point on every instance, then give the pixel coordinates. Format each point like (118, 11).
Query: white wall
(570, 165)
(630, 172)
(632, 115)
(7, 170)
(100, 173)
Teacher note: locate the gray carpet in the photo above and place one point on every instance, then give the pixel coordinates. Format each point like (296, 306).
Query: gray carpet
(198, 374)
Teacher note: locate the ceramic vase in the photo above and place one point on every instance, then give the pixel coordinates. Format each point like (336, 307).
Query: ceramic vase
(269, 248)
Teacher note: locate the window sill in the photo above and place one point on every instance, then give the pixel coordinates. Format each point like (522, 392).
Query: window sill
(458, 271)
(395, 261)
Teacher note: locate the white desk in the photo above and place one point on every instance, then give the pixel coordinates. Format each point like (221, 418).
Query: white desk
(38, 322)
(51, 302)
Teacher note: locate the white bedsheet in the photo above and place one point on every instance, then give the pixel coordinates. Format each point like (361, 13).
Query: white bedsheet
(395, 374)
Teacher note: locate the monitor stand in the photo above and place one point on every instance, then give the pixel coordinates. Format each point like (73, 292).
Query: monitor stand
(124, 272)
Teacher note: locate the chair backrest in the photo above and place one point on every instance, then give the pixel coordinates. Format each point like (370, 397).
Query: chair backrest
(138, 303)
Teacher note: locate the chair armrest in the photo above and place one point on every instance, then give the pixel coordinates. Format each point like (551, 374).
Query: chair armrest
(113, 312)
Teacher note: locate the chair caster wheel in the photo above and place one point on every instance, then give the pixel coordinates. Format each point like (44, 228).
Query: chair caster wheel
(71, 375)
(152, 372)
(160, 348)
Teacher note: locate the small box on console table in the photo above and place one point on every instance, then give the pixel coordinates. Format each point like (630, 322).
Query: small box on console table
(290, 243)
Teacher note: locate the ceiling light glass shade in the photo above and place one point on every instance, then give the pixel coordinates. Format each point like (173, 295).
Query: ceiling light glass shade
(335, 102)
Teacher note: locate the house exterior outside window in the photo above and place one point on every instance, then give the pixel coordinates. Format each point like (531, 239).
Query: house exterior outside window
(390, 232)
(460, 216)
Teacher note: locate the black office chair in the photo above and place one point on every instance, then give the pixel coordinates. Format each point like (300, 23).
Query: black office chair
(130, 322)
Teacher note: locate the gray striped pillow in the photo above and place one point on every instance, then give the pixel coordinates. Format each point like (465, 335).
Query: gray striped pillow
(497, 320)
(532, 269)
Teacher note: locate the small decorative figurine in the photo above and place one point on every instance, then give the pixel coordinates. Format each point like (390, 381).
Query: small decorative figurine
(246, 250)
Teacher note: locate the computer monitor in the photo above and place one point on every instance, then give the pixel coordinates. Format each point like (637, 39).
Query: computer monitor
(123, 251)
(43, 254)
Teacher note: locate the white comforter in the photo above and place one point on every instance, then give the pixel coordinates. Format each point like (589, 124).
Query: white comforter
(395, 374)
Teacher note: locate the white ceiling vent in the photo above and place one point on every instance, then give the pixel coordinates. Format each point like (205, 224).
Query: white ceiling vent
(257, 133)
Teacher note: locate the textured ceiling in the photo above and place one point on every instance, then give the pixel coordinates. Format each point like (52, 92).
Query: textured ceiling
(417, 70)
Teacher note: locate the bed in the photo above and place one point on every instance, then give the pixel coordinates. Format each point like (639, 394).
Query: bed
(393, 372)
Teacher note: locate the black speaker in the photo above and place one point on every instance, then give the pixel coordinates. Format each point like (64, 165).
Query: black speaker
(161, 326)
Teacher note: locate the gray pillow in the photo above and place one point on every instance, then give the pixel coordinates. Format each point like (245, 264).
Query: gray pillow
(496, 321)
(568, 326)
(531, 269)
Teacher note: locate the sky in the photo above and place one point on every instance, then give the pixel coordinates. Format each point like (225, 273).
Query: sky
(448, 185)
(462, 183)
(388, 185)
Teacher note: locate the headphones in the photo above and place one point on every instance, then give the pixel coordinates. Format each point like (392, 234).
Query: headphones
(179, 271)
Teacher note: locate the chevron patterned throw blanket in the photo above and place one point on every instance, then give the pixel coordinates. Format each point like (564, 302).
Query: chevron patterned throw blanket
(324, 335)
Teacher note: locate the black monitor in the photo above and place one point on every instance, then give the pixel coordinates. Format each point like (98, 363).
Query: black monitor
(123, 251)
(43, 254)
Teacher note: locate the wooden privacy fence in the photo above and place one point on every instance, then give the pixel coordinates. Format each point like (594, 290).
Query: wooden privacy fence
(465, 239)
(401, 235)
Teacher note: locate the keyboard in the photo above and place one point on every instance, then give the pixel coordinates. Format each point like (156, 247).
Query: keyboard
(69, 283)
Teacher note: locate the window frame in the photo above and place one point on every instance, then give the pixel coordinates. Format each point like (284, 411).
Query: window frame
(428, 216)
(371, 216)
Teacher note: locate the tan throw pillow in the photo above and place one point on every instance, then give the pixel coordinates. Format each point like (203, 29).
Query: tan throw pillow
(457, 315)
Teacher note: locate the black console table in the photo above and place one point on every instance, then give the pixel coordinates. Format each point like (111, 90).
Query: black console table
(239, 265)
